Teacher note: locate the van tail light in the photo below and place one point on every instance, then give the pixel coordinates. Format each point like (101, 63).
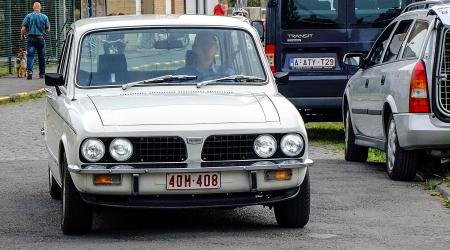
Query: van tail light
(270, 54)
(418, 97)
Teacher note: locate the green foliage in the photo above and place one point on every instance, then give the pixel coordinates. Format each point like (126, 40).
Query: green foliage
(250, 3)
(447, 202)
(376, 155)
(430, 185)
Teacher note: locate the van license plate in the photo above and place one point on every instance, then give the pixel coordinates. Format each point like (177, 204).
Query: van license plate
(185, 181)
(312, 63)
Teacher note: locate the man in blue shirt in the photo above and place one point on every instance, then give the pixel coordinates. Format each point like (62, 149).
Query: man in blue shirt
(204, 49)
(35, 25)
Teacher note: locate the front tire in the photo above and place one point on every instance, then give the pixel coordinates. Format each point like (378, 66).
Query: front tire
(353, 152)
(294, 213)
(53, 188)
(401, 164)
(76, 214)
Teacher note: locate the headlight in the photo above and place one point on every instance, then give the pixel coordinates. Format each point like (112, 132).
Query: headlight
(121, 149)
(292, 145)
(93, 150)
(265, 146)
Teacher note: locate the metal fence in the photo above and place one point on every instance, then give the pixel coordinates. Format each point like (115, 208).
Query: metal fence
(12, 12)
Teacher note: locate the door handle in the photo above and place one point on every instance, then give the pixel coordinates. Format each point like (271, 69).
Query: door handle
(367, 83)
(383, 79)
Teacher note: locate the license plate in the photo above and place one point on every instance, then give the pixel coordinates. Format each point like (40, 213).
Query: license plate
(312, 63)
(186, 181)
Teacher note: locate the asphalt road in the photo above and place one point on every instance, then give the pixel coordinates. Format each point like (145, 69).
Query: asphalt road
(354, 206)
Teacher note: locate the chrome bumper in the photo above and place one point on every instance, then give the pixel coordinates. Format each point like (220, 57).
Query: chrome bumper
(232, 166)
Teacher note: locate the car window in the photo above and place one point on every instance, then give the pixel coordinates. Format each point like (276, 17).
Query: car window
(63, 57)
(415, 40)
(397, 41)
(379, 46)
(117, 57)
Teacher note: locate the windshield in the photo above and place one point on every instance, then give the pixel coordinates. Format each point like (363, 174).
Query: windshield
(189, 56)
(331, 14)
(376, 13)
(301, 14)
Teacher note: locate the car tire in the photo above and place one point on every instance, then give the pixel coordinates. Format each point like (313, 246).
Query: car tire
(353, 152)
(400, 164)
(76, 214)
(53, 187)
(294, 213)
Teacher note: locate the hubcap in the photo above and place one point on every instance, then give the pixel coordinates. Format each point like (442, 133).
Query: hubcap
(391, 145)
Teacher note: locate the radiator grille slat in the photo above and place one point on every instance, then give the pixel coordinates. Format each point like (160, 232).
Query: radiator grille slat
(229, 147)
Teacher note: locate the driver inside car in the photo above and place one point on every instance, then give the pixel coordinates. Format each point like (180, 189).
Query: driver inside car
(204, 49)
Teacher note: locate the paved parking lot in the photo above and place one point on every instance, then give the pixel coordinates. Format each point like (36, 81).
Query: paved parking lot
(354, 206)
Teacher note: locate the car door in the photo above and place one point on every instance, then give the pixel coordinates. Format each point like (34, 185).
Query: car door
(55, 110)
(364, 90)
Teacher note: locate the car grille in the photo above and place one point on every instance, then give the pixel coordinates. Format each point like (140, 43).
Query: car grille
(229, 147)
(159, 149)
(444, 88)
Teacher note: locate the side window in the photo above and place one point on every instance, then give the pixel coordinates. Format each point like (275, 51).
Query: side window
(380, 45)
(63, 55)
(397, 41)
(64, 60)
(67, 58)
(415, 40)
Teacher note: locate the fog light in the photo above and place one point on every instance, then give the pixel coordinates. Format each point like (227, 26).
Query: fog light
(278, 175)
(106, 179)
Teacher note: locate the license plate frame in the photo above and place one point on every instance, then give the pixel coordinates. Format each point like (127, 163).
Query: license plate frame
(312, 63)
(197, 181)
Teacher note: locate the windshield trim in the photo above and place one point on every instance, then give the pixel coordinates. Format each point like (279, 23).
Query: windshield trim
(82, 37)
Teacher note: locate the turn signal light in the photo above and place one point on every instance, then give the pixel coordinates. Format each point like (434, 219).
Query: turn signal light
(270, 54)
(105, 179)
(278, 175)
(418, 99)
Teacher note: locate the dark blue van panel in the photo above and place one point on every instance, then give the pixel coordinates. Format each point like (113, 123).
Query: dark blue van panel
(322, 30)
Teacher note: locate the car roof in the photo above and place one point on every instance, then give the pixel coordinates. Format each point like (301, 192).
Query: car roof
(123, 21)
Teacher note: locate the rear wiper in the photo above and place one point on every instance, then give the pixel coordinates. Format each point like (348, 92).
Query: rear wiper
(235, 78)
(160, 79)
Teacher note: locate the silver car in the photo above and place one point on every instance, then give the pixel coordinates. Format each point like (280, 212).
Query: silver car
(399, 100)
(192, 120)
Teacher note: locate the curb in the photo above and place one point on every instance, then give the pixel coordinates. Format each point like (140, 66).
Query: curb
(22, 96)
(445, 192)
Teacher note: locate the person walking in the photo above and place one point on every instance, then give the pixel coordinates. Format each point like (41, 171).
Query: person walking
(35, 26)
(221, 8)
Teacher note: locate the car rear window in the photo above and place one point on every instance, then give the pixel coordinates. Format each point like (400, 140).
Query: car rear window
(415, 40)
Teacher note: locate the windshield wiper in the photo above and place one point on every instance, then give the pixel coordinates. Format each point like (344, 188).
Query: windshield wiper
(160, 79)
(235, 78)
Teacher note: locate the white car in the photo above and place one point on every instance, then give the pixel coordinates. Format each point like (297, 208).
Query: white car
(192, 119)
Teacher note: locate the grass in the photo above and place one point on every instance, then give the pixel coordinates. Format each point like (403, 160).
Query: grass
(447, 202)
(332, 133)
(430, 185)
(4, 71)
(447, 179)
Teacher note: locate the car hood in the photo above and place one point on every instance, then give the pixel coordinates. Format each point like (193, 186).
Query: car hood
(188, 108)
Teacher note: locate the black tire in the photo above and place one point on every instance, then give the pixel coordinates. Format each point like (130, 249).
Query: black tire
(401, 164)
(353, 152)
(76, 214)
(53, 187)
(294, 213)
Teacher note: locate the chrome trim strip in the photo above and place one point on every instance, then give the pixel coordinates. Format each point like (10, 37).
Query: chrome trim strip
(126, 169)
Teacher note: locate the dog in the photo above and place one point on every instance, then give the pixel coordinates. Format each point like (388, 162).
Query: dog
(21, 63)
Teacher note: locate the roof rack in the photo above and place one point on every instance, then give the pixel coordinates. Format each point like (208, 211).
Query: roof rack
(422, 5)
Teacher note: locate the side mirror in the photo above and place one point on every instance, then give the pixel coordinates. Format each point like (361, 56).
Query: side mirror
(281, 77)
(54, 79)
(354, 59)
(259, 26)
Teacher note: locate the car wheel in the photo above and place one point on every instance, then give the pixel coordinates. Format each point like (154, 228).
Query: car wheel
(353, 152)
(401, 164)
(53, 188)
(294, 213)
(76, 214)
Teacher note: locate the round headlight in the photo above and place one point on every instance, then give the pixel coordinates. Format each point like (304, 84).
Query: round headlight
(265, 146)
(93, 150)
(121, 149)
(292, 145)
